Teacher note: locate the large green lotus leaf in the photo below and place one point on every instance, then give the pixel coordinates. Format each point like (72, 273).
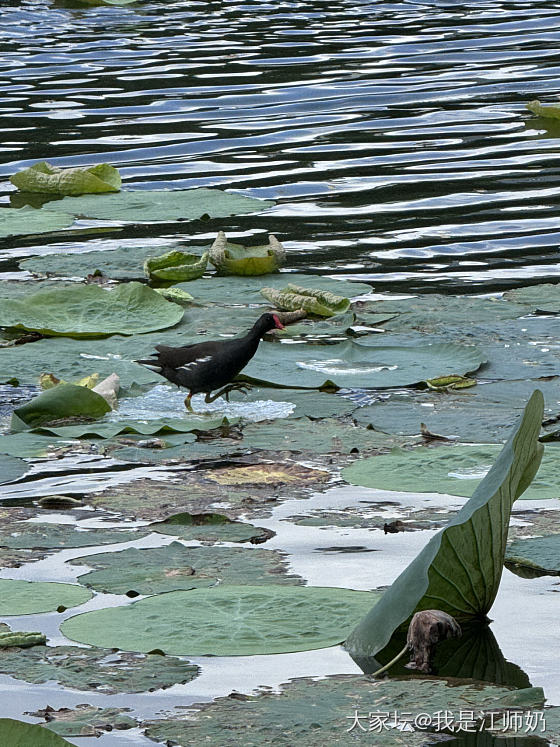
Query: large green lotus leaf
(85, 720)
(158, 569)
(480, 414)
(23, 221)
(543, 297)
(145, 428)
(91, 311)
(19, 734)
(353, 364)
(123, 263)
(11, 468)
(62, 401)
(47, 179)
(211, 528)
(543, 110)
(310, 712)
(162, 205)
(96, 669)
(226, 620)
(459, 570)
(318, 437)
(228, 290)
(541, 553)
(452, 470)
(29, 598)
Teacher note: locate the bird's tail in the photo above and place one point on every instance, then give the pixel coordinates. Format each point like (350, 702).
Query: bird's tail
(151, 364)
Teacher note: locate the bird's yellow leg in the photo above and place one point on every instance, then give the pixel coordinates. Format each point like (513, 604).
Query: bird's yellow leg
(188, 402)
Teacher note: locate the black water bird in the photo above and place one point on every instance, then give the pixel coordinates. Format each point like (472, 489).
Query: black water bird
(207, 366)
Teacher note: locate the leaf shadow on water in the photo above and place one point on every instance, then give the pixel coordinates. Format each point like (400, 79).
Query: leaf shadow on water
(476, 655)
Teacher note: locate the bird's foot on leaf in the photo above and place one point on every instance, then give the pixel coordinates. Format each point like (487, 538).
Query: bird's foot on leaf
(236, 386)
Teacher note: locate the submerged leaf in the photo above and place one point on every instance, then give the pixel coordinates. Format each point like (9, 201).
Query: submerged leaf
(234, 259)
(312, 300)
(61, 401)
(90, 311)
(226, 620)
(175, 267)
(42, 177)
(459, 570)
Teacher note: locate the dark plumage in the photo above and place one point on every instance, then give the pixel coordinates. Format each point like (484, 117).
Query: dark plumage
(206, 366)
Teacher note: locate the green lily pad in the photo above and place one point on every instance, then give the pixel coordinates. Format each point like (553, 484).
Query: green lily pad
(234, 259)
(23, 221)
(97, 669)
(85, 720)
(459, 570)
(355, 364)
(549, 111)
(11, 468)
(246, 290)
(211, 528)
(19, 734)
(110, 429)
(541, 553)
(162, 205)
(338, 710)
(318, 437)
(90, 311)
(29, 598)
(18, 535)
(226, 620)
(47, 179)
(175, 267)
(62, 401)
(312, 404)
(122, 263)
(542, 297)
(452, 470)
(158, 569)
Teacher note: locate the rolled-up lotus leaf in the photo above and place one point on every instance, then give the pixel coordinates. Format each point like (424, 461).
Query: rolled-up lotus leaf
(176, 295)
(318, 302)
(42, 177)
(552, 112)
(21, 639)
(234, 259)
(175, 267)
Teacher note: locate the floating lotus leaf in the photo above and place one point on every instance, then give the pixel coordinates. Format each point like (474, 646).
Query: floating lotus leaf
(317, 437)
(162, 205)
(211, 528)
(122, 263)
(234, 259)
(175, 267)
(313, 404)
(11, 468)
(42, 177)
(245, 290)
(90, 311)
(542, 297)
(318, 302)
(145, 428)
(85, 720)
(19, 734)
(459, 570)
(309, 712)
(353, 364)
(452, 470)
(541, 553)
(481, 414)
(25, 444)
(31, 597)
(23, 221)
(552, 112)
(32, 535)
(226, 620)
(158, 569)
(62, 401)
(97, 669)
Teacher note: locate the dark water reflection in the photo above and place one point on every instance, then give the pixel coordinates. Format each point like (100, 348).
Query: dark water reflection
(394, 136)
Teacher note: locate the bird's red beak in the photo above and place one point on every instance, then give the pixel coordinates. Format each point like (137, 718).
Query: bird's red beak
(278, 324)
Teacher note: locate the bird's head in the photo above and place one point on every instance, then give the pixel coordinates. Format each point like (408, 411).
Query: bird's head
(266, 323)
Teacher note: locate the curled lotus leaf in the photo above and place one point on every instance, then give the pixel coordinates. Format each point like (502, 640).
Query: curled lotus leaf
(59, 402)
(42, 177)
(543, 110)
(312, 300)
(176, 295)
(21, 639)
(234, 259)
(445, 383)
(90, 311)
(175, 267)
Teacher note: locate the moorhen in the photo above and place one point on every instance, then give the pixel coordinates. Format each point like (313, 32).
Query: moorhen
(206, 366)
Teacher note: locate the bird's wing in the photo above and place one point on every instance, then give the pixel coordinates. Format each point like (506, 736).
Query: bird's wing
(175, 357)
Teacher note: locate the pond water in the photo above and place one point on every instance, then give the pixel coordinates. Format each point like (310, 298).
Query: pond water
(395, 141)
